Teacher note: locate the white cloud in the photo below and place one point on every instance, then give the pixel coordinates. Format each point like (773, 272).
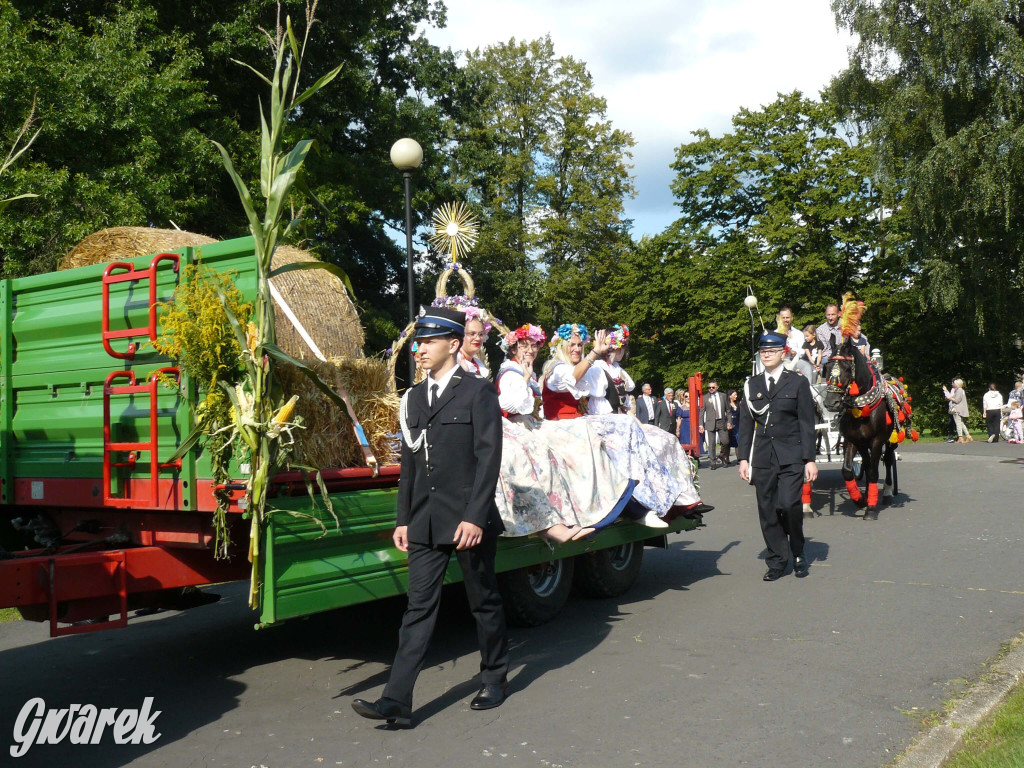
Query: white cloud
(668, 68)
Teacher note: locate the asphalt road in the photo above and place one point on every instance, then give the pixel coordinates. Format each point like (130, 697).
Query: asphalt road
(701, 664)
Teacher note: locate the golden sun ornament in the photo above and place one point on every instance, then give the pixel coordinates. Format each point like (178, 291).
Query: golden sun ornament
(455, 230)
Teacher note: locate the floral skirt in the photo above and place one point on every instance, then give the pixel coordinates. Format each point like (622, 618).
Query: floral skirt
(653, 458)
(556, 472)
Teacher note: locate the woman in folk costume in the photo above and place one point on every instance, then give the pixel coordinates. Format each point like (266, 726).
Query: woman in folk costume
(478, 328)
(556, 478)
(660, 485)
(620, 382)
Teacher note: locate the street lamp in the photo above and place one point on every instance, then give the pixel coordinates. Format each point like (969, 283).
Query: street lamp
(750, 302)
(406, 156)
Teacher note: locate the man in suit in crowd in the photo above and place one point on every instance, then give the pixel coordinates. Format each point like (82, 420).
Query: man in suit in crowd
(777, 445)
(645, 406)
(451, 456)
(665, 412)
(714, 424)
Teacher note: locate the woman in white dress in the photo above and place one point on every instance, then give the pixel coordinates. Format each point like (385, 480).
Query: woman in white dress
(556, 478)
(651, 457)
(471, 353)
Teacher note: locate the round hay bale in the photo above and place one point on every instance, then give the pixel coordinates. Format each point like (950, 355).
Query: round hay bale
(319, 300)
(127, 242)
(321, 304)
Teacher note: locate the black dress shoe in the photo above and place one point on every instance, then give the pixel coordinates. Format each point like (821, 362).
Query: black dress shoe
(799, 566)
(385, 709)
(491, 695)
(773, 574)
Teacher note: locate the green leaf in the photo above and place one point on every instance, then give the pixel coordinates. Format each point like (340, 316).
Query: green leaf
(258, 74)
(335, 270)
(243, 193)
(188, 443)
(320, 83)
(279, 354)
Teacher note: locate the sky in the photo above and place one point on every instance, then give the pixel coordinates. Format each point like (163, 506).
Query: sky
(668, 67)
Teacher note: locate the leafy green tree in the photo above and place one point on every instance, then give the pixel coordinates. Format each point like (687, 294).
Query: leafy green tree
(537, 155)
(131, 91)
(782, 204)
(939, 83)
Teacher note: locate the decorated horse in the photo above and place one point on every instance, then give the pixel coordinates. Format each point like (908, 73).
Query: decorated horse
(876, 413)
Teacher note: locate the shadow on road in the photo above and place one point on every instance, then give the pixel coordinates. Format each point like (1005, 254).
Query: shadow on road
(189, 661)
(830, 497)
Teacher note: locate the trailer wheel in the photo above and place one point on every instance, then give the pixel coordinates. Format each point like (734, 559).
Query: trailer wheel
(609, 572)
(534, 595)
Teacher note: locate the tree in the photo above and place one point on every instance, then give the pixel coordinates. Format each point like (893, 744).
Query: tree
(782, 204)
(536, 154)
(130, 92)
(939, 83)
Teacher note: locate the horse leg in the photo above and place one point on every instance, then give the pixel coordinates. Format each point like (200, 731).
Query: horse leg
(805, 498)
(849, 477)
(890, 465)
(871, 467)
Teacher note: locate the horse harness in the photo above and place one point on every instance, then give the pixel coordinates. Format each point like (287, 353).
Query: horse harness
(883, 388)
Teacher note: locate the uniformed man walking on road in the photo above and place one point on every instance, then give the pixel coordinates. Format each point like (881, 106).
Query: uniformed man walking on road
(451, 457)
(776, 451)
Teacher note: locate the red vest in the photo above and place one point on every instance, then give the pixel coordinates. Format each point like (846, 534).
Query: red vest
(559, 405)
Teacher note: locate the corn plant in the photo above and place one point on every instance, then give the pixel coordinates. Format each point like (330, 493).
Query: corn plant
(263, 421)
(16, 152)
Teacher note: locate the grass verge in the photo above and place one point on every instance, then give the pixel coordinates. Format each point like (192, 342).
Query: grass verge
(998, 742)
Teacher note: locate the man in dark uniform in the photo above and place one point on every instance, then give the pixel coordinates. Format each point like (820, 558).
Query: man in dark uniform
(776, 446)
(451, 456)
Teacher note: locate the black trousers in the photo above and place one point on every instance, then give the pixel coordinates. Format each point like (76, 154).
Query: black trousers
(780, 510)
(427, 566)
(992, 418)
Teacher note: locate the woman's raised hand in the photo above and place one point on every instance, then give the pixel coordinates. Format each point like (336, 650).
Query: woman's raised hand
(600, 342)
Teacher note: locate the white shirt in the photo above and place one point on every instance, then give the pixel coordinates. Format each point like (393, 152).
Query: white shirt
(560, 379)
(596, 384)
(474, 366)
(992, 401)
(514, 395)
(768, 378)
(441, 383)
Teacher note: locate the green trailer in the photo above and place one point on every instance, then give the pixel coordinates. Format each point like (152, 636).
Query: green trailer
(114, 523)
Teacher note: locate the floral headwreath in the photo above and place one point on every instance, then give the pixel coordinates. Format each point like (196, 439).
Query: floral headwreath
(566, 332)
(618, 337)
(527, 331)
(470, 306)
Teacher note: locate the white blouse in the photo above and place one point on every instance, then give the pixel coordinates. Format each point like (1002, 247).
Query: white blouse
(514, 395)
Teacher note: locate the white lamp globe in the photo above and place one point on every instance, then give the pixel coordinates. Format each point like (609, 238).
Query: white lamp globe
(406, 155)
(750, 301)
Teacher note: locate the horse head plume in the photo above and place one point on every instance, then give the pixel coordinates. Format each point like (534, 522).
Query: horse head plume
(849, 318)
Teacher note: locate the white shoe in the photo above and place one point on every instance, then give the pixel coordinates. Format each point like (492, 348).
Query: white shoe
(651, 520)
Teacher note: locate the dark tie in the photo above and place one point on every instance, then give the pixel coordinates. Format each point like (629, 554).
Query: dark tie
(771, 385)
(433, 395)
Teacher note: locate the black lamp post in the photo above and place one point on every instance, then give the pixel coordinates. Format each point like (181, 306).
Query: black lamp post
(406, 156)
(750, 302)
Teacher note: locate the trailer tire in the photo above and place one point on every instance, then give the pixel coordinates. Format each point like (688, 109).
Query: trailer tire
(534, 595)
(609, 572)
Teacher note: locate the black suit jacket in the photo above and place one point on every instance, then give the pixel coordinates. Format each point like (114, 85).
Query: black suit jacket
(464, 445)
(641, 410)
(786, 428)
(665, 418)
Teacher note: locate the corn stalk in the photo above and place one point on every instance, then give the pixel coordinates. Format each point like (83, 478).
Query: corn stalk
(16, 152)
(262, 422)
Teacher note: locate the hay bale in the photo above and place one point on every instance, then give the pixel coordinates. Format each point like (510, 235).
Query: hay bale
(317, 298)
(127, 242)
(328, 440)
